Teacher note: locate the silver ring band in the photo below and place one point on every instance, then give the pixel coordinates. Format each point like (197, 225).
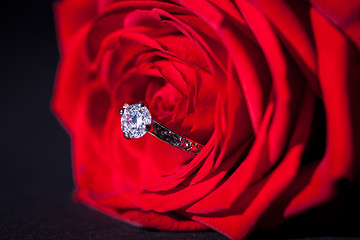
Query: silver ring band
(174, 139)
(136, 121)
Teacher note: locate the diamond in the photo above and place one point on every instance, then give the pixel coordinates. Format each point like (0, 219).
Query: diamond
(134, 120)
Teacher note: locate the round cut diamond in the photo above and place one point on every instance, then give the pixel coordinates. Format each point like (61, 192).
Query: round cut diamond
(134, 120)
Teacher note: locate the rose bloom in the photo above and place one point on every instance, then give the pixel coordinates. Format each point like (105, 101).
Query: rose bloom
(270, 88)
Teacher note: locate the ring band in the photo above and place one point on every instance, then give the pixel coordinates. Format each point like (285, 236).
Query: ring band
(136, 122)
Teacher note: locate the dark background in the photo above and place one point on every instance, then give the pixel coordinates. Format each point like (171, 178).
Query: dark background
(35, 172)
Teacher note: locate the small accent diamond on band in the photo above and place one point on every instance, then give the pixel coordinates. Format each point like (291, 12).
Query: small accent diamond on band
(136, 122)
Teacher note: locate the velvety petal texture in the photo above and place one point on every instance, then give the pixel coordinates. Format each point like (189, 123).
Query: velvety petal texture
(270, 88)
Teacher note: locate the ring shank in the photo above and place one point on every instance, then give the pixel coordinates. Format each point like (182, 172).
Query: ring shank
(174, 139)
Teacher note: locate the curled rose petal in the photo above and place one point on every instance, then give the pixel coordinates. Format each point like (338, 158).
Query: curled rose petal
(269, 89)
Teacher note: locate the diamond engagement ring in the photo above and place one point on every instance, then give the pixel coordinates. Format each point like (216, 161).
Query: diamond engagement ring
(136, 122)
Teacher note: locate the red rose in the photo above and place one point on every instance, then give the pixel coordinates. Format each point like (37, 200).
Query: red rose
(269, 87)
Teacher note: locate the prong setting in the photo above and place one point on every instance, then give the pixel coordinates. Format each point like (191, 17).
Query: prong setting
(126, 135)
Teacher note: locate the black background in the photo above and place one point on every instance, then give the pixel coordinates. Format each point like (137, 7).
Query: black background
(35, 172)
